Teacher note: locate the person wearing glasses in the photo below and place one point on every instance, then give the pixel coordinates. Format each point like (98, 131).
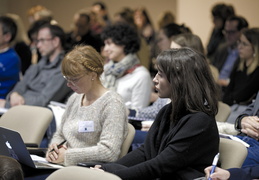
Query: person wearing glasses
(94, 124)
(243, 85)
(43, 81)
(226, 56)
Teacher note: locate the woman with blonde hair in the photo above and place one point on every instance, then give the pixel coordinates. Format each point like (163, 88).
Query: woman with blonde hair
(243, 85)
(94, 124)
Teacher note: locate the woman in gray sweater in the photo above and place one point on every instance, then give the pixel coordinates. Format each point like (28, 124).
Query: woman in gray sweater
(94, 124)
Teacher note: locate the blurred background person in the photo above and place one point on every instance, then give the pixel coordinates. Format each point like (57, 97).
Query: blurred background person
(39, 12)
(101, 10)
(220, 12)
(126, 15)
(226, 56)
(165, 18)
(81, 32)
(21, 43)
(244, 85)
(9, 60)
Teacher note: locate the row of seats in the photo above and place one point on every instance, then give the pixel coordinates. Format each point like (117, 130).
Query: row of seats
(32, 122)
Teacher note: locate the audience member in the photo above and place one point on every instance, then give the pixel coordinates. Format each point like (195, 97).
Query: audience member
(43, 82)
(165, 18)
(220, 12)
(243, 84)
(144, 25)
(96, 24)
(126, 15)
(10, 169)
(227, 54)
(233, 173)
(166, 34)
(21, 43)
(9, 60)
(94, 124)
(101, 10)
(32, 34)
(247, 123)
(123, 72)
(81, 32)
(182, 128)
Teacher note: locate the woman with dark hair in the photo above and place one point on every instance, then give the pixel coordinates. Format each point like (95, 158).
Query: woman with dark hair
(144, 24)
(123, 72)
(183, 139)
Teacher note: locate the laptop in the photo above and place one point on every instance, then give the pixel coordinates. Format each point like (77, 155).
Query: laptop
(12, 145)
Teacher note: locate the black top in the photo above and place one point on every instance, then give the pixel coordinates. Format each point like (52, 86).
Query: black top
(171, 151)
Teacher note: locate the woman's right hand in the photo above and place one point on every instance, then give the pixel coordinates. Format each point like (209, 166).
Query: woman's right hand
(219, 174)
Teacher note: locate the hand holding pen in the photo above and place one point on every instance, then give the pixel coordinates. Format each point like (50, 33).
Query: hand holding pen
(57, 153)
(214, 165)
(59, 146)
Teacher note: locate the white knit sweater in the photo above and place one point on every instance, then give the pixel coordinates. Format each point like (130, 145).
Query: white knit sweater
(108, 114)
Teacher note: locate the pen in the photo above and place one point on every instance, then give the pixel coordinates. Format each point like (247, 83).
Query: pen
(59, 146)
(214, 164)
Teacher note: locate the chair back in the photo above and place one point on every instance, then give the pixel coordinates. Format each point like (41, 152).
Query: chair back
(30, 121)
(127, 142)
(81, 173)
(224, 111)
(232, 153)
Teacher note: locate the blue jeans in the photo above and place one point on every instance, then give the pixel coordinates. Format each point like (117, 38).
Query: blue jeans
(252, 158)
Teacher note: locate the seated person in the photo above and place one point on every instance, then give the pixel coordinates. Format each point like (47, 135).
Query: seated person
(9, 60)
(43, 82)
(248, 124)
(94, 124)
(182, 128)
(244, 84)
(124, 73)
(233, 173)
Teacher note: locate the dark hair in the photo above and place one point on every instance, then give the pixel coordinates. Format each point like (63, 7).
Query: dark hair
(175, 29)
(86, 15)
(222, 11)
(124, 35)
(35, 26)
(10, 169)
(56, 31)
(242, 22)
(193, 87)
(127, 15)
(101, 4)
(8, 26)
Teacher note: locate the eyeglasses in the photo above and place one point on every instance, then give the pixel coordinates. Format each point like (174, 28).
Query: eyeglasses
(73, 81)
(43, 40)
(231, 32)
(243, 44)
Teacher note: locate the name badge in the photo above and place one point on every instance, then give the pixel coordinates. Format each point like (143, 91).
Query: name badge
(86, 126)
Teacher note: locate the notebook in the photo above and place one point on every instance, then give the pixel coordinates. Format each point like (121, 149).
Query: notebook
(12, 145)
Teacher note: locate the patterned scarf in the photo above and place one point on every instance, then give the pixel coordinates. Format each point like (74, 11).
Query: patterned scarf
(113, 71)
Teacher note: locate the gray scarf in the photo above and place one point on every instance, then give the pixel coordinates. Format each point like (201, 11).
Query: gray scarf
(113, 71)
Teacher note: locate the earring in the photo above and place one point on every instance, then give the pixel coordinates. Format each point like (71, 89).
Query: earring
(92, 79)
